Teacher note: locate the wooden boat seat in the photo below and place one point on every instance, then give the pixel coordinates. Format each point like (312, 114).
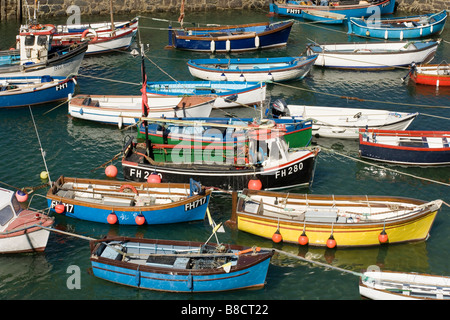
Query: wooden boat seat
(318, 214)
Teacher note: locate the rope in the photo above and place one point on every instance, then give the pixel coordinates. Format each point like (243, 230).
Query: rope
(67, 233)
(359, 99)
(393, 170)
(314, 262)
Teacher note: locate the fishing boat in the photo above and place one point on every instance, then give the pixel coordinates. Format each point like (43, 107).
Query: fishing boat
(252, 69)
(231, 38)
(179, 266)
(35, 57)
(420, 26)
(101, 37)
(345, 123)
(409, 147)
(222, 132)
(21, 230)
(128, 203)
(26, 91)
(373, 55)
(333, 220)
(325, 17)
(228, 94)
(390, 285)
(127, 110)
(431, 74)
(263, 162)
(294, 8)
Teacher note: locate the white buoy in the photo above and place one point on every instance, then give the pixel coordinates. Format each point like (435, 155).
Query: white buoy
(228, 45)
(213, 46)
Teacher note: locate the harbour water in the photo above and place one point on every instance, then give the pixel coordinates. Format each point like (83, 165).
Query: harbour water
(77, 148)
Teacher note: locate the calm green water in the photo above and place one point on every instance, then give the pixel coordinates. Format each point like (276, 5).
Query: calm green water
(76, 148)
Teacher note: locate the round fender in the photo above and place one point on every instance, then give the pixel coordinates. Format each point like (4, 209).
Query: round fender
(128, 186)
(86, 32)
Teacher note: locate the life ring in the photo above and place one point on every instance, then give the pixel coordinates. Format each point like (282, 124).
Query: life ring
(128, 186)
(86, 32)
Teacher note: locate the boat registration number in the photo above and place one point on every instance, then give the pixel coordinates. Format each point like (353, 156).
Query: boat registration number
(289, 170)
(194, 204)
(68, 207)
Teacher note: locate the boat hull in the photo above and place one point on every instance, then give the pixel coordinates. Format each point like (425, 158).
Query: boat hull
(126, 110)
(361, 28)
(433, 75)
(248, 93)
(421, 153)
(345, 123)
(170, 278)
(30, 241)
(257, 69)
(297, 172)
(64, 66)
(275, 35)
(361, 234)
(373, 56)
(388, 285)
(184, 210)
(58, 90)
(293, 9)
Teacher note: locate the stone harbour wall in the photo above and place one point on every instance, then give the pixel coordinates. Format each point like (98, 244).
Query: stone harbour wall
(16, 10)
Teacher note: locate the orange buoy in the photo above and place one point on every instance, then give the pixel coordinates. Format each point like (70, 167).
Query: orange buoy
(21, 196)
(140, 219)
(331, 243)
(255, 184)
(277, 236)
(303, 239)
(111, 171)
(60, 208)
(154, 178)
(383, 237)
(112, 218)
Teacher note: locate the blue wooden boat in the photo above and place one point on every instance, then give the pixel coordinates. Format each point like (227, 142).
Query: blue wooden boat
(399, 28)
(26, 91)
(128, 203)
(231, 38)
(252, 69)
(409, 147)
(179, 266)
(223, 132)
(228, 93)
(294, 8)
(325, 17)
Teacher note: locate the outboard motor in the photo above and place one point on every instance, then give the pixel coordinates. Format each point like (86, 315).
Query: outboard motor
(279, 108)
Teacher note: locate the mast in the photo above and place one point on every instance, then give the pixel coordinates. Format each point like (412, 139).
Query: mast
(113, 28)
(144, 100)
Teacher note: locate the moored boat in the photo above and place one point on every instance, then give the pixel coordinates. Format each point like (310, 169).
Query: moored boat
(252, 69)
(294, 8)
(231, 38)
(34, 55)
(373, 55)
(345, 123)
(334, 220)
(223, 131)
(390, 285)
(21, 230)
(325, 17)
(26, 91)
(431, 74)
(228, 94)
(420, 26)
(409, 147)
(128, 203)
(179, 266)
(100, 36)
(127, 110)
(264, 162)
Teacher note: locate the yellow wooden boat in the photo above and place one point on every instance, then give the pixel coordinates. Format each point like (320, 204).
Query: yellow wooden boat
(329, 220)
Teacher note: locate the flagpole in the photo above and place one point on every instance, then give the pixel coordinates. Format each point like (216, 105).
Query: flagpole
(144, 100)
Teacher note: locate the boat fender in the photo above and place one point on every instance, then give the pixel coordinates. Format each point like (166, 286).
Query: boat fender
(128, 186)
(331, 242)
(21, 196)
(303, 239)
(86, 32)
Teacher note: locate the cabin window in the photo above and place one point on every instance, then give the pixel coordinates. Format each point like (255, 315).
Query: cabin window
(42, 41)
(6, 214)
(29, 40)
